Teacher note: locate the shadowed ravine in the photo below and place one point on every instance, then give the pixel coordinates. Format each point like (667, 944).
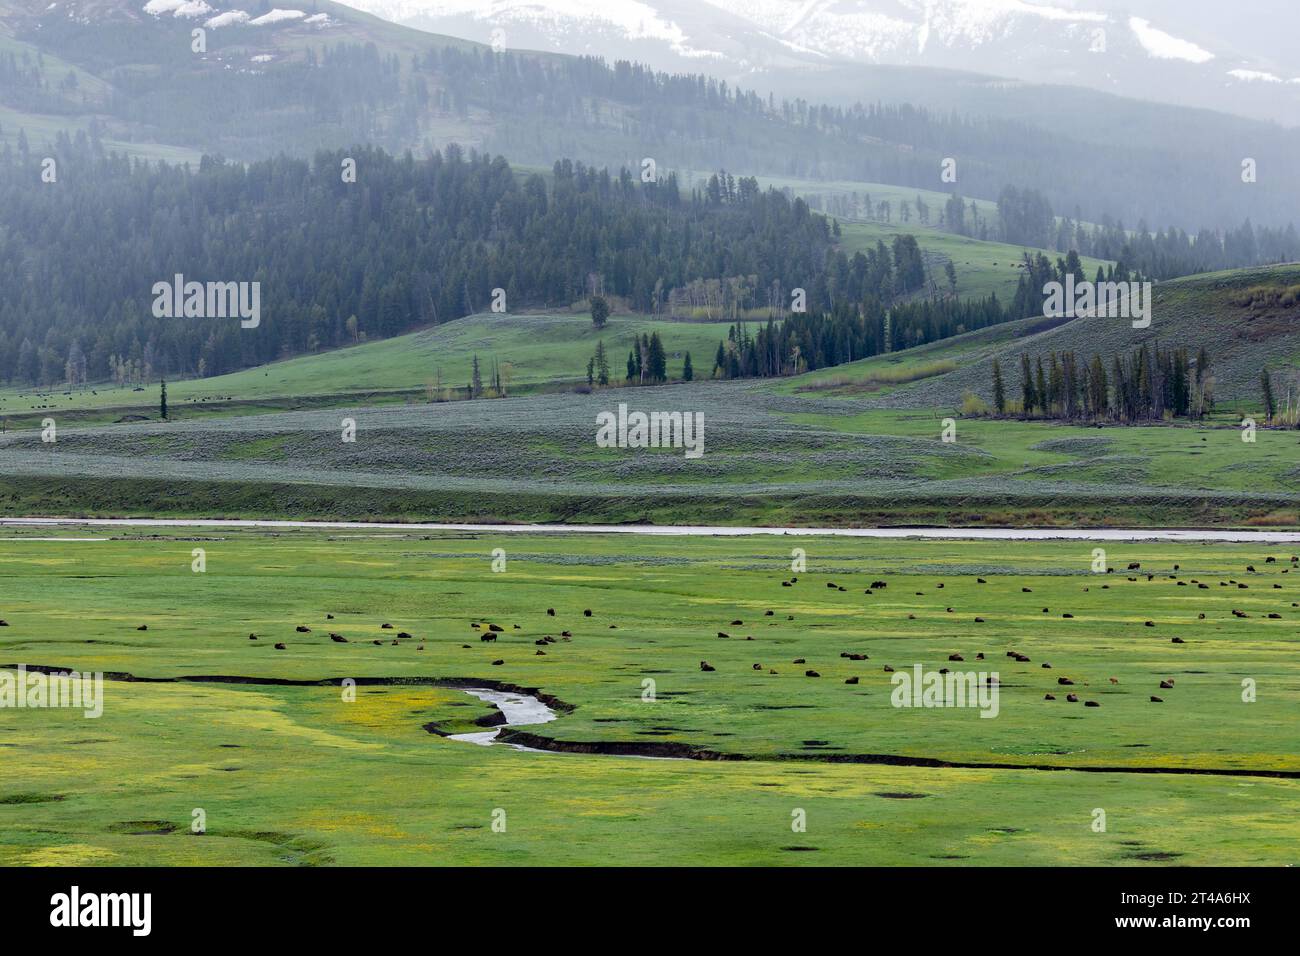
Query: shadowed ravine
(549, 708)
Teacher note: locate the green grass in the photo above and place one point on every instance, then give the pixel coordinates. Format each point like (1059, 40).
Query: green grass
(531, 349)
(296, 775)
(982, 267)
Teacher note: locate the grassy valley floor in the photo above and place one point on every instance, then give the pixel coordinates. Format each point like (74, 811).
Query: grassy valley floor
(1202, 777)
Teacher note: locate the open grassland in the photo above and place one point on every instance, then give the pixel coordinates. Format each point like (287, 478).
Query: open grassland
(983, 267)
(769, 458)
(298, 775)
(530, 350)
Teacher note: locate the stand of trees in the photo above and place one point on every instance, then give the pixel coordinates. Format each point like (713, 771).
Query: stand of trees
(408, 244)
(1146, 385)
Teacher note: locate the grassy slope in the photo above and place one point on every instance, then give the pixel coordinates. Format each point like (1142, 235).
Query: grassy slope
(982, 267)
(543, 348)
(246, 754)
(825, 448)
(1193, 312)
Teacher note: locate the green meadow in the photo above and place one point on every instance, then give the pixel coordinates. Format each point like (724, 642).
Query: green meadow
(300, 775)
(983, 267)
(530, 349)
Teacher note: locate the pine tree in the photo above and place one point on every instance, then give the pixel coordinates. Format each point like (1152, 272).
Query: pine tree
(599, 311)
(999, 391)
(1040, 389)
(631, 365)
(162, 400)
(1030, 397)
(602, 364)
(1270, 403)
(656, 360)
(475, 380)
(591, 372)
(688, 373)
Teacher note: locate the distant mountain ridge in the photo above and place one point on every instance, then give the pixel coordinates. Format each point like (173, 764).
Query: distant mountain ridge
(1107, 45)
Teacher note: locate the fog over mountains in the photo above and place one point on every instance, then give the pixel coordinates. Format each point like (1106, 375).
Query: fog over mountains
(1235, 58)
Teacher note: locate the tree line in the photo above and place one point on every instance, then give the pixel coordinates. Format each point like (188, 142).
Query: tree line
(1148, 384)
(410, 243)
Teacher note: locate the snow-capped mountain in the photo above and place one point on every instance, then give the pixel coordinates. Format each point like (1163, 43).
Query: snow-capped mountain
(1167, 50)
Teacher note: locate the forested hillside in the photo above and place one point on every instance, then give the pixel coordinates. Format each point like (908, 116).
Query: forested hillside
(325, 75)
(409, 243)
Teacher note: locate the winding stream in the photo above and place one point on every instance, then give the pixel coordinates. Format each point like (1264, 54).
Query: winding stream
(520, 710)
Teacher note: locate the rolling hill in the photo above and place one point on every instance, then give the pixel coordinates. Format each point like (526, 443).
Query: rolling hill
(1246, 320)
(531, 349)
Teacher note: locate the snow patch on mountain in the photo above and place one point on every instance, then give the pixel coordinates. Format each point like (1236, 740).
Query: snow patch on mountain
(1165, 46)
(229, 18)
(276, 16)
(1255, 76)
(189, 9)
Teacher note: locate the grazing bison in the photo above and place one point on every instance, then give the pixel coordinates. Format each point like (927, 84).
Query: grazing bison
(487, 637)
(252, 637)
(1072, 698)
(1091, 703)
(723, 634)
(495, 628)
(145, 627)
(1177, 640)
(955, 657)
(587, 613)
(798, 660)
(279, 647)
(811, 674)
(498, 662)
(851, 680)
(550, 611)
(303, 629)
(338, 638)
(1064, 681)
(403, 634)
(386, 626)
(1157, 700)
(706, 666)
(1049, 697)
